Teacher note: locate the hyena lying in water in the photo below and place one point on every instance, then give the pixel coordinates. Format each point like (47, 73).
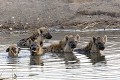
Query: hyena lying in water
(40, 34)
(66, 47)
(13, 51)
(67, 44)
(92, 50)
(36, 51)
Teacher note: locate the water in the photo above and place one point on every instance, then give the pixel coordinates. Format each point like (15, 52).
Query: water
(54, 67)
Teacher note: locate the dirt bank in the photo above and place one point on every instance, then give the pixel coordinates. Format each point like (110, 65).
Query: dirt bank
(65, 14)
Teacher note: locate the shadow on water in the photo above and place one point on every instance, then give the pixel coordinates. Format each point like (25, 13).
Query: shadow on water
(62, 66)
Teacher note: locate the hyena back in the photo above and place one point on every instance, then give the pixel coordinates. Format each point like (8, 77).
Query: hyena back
(40, 34)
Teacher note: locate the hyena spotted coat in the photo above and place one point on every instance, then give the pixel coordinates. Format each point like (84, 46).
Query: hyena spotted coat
(92, 50)
(65, 48)
(40, 34)
(67, 44)
(36, 51)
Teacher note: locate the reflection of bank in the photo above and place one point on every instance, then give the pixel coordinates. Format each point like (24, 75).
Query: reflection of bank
(36, 60)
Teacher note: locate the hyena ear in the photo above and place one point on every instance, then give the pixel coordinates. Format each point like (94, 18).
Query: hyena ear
(31, 40)
(7, 50)
(38, 31)
(19, 50)
(41, 31)
(105, 38)
(35, 41)
(94, 39)
(41, 43)
(77, 37)
(66, 37)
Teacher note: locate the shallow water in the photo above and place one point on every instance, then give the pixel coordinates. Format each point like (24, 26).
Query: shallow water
(54, 67)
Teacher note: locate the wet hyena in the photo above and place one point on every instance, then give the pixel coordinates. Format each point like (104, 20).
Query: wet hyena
(36, 52)
(92, 50)
(36, 60)
(40, 34)
(13, 51)
(71, 43)
(67, 44)
(36, 48)
(65, 47)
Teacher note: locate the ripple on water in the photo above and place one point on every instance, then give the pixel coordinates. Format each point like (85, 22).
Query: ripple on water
(55, 68)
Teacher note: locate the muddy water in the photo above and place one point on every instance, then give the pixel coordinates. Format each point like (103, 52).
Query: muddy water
(54, 66)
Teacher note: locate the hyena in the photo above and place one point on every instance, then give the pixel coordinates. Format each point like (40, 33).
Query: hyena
(36, 48)
(66, 46)
(40, 34)
(55, 47)
(92, 50)
(13, 51)
(71, 43)
(36, 60)
(36, 51)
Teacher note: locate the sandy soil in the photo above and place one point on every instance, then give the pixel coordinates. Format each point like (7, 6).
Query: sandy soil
(65, 14)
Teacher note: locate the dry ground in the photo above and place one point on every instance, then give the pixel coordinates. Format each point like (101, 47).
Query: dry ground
(80, 14)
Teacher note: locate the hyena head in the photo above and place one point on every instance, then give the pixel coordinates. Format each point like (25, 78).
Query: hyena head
(72, 41)
(36, 48)
(13, 51)
(100, 42)
(45, 33)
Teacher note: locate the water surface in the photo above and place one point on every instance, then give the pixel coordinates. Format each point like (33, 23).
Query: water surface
(54, 66)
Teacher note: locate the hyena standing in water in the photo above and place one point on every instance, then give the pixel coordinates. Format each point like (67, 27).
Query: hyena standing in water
(13, 51)
(71, 43)
(36, 51)
(40, 34)
(66, 47)
(92, 50)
